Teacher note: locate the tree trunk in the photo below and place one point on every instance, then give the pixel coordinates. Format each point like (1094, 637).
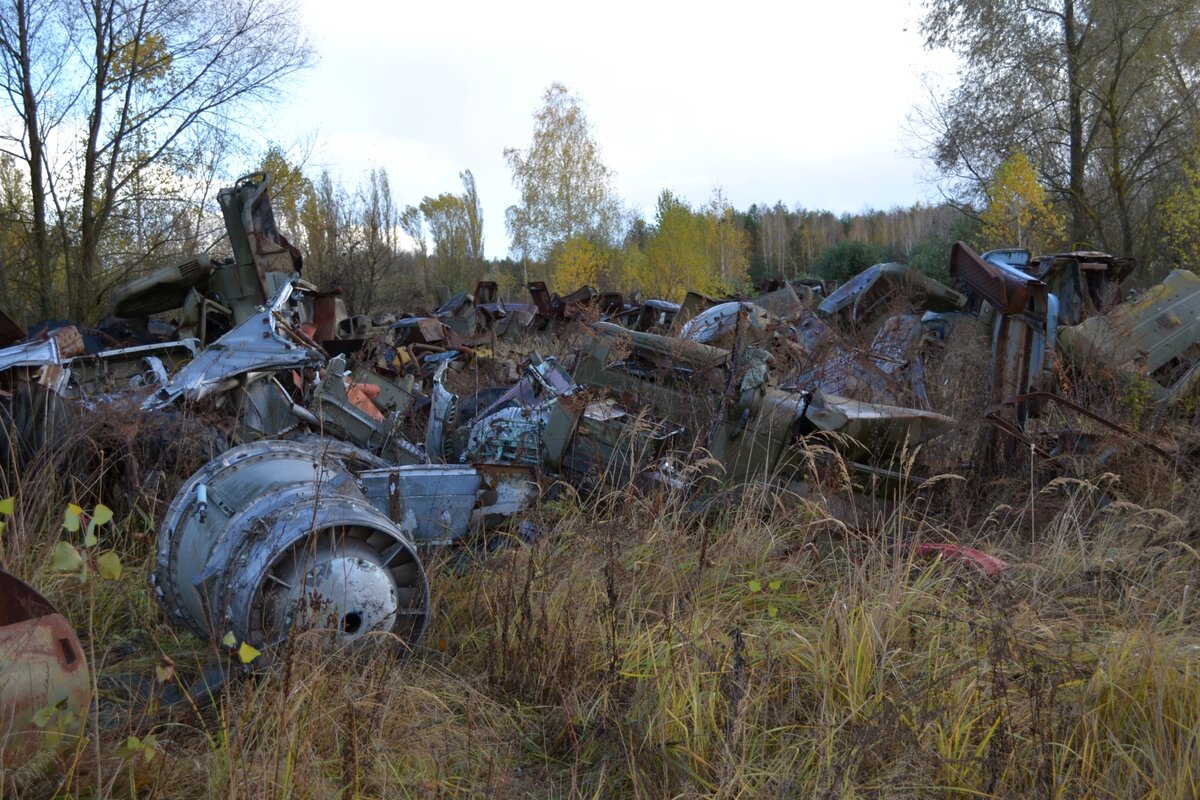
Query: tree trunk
(37, 190)
(1077, 213)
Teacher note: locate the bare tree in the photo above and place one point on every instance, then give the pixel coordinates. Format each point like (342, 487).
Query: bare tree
(137, 78)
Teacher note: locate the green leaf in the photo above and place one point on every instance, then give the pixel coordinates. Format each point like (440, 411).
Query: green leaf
(773, 612)
(755, 586)
(102, 514)
(109, 565)
(41, 718)
(89, 538)
(774, 585)
(71, 518)
(132, 746)
(149, 747)
(3, 525)
(66, 558)
(230, 640)
(247, 653)
(6, 506)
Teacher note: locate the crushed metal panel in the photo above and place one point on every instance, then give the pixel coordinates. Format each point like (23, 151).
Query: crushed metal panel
(164, 289)
(868, 293)
(783, 302)
(42, 667)
(725, 320)
(1086, 283)
(1006, 288)
(443, 405)
(130, 368)
(31, 354)
(254, 345)
(371, 419)
(1024, 327)
(1146, 334)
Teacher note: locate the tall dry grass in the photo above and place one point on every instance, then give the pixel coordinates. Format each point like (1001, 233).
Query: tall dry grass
(766, 643)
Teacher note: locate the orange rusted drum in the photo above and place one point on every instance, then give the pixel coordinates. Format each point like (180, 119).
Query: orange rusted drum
(45, 688)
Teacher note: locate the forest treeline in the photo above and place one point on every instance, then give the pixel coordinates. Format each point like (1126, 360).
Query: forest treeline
(1072, 124)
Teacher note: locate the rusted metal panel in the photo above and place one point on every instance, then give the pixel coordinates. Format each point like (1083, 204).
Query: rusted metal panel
(1008, 289)
(42, 669)
(262, 342)
(10, 331)
(1024, 329)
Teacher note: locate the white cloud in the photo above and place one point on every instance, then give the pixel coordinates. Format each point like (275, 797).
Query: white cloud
(803, 102)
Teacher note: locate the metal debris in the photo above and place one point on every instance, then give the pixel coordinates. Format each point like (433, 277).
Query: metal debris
(45, 686)
(278, 535)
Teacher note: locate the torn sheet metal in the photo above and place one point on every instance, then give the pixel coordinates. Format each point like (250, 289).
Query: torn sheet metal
(60, 345)
(257, 344)
(277, 535)
(43, 673)
(1085, 282)
(879, 427)
(872, 291)
(443, 420)
(785, 301)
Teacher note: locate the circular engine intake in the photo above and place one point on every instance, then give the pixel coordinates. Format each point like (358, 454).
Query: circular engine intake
(276, 535)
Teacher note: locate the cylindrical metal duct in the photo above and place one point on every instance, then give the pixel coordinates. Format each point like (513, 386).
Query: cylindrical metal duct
(275, 535)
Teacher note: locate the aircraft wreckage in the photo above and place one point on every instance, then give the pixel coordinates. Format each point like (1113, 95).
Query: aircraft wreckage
(317, 513)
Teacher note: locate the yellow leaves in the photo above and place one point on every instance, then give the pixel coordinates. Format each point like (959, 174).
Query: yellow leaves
(1018, 212)
(246, 652)
(66, 558)
(7, 506)
(1181, 217)
(703, 250)
(164, 670)
(576, 262)
(109, 566)
(144, 61)
(71, 518)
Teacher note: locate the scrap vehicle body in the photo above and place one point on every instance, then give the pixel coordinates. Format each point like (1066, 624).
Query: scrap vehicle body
(45, 684)
(1152, 338)
(734, 411)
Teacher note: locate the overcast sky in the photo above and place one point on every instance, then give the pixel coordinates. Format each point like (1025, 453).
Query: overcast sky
(804, 102)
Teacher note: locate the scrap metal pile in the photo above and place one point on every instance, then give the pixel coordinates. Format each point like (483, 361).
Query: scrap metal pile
(317, 514)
